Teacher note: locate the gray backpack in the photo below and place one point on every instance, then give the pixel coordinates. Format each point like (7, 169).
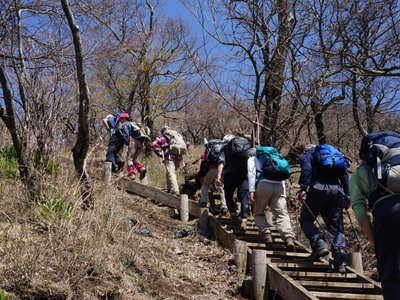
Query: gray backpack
(177, 144)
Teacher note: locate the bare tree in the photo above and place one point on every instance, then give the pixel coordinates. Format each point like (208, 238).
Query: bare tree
(81, 147)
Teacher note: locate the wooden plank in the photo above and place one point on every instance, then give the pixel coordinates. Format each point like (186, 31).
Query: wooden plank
(335, 284)
(285, 286)
(348, 296)
(304, 265)
(280, 252)
(366, 278)
(158, 195)
(225, 238)
(320, 274)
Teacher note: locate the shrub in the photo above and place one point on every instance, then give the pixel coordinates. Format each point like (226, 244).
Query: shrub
(49, 165)
(53, 210)
(3, 295)
(8, 163)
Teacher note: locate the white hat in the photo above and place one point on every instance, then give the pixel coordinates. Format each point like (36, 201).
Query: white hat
(309, 148)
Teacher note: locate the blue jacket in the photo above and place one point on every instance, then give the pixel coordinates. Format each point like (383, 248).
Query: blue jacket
(310, 176)
(131, 129)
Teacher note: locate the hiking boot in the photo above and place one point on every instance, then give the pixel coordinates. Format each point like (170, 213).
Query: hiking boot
(266, 237)
(120, 167)
(131, 172)
(235, 219)
(224, 211)
(142, 173)
(320, 249)
(141, 169)
(339, 262)
(289, 243)
(203, 204)
(243, 223)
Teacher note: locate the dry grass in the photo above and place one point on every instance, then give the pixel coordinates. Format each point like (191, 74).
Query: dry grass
(97, 254)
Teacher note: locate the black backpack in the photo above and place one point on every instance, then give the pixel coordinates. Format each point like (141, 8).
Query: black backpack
(381, 151)
(214, 150)
(236, 153)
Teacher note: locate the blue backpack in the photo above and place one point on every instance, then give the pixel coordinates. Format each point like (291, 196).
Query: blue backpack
(330, 160)
(274, 165)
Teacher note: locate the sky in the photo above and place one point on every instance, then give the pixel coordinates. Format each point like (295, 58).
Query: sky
(174, 9)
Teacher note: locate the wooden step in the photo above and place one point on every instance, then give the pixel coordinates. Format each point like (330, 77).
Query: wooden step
(314, 274)
(301, 265)
(335, 284)
(347, 296)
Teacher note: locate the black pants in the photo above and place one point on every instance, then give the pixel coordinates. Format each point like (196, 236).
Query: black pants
(114, 147)
(328, 204)
(233, 179)
(387, 245)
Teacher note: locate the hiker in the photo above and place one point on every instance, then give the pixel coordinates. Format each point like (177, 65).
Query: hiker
(134, 136)
(324, 181)
(171, 147)
(211, 158)
(375, 185)
(234, 171)
(113, 124)
(267, 172)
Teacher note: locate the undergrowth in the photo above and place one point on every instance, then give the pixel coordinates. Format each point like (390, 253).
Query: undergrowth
(56, 250)
(8, 163)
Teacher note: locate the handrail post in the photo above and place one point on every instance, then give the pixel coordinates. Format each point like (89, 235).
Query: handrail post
(107, 172)
(259, 272)
(184, 208)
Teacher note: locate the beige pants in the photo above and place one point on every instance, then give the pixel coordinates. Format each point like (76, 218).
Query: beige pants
(274, 196)
(172, 182)
(209, 183)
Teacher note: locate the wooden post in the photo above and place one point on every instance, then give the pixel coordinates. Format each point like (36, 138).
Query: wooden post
(259, 272)
(184, 208)
(356, 261)
(240, 251)
(203, 221)
(107, 172)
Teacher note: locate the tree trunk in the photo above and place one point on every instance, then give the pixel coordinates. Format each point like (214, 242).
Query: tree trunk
(276, 77)
(81, 147)
(318, 121)
(356, 115)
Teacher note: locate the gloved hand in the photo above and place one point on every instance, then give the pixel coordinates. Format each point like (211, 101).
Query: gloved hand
(111, 131)
(346, 202)
(251, 197)
(300, 195)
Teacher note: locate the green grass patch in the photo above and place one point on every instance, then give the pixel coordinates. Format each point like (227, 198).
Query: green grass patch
(53, 210)
(8, 163)
(4, 295)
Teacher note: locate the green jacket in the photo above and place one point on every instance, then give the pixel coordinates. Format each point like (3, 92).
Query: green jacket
(362, 183)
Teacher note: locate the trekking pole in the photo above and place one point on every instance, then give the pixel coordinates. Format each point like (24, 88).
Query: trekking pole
(312, 214)
(354, 230)
(324, 232)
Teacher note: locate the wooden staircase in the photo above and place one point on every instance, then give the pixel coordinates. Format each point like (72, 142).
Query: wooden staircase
(288, 273)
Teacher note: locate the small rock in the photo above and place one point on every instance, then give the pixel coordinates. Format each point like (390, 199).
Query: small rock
(183, 232)
(143, 231)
